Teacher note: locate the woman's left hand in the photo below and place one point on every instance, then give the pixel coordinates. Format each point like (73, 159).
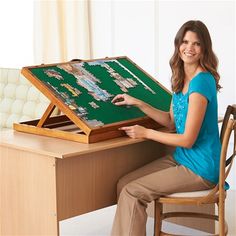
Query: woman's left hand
(135, 131)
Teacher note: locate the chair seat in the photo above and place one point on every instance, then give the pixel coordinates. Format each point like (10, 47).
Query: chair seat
(189, 194)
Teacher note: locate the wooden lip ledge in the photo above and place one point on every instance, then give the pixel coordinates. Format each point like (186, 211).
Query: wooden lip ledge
(58, 147)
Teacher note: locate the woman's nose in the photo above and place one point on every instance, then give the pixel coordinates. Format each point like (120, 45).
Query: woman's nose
(190, 46)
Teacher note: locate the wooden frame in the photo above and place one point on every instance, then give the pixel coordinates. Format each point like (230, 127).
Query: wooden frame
(70, 126)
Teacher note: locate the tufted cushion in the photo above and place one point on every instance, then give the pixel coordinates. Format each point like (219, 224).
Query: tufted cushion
(19, 99)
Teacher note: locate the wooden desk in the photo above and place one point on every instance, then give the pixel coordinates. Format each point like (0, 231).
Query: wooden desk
(44, 180)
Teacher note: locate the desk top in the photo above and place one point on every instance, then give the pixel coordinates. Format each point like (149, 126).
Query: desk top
(57, 147)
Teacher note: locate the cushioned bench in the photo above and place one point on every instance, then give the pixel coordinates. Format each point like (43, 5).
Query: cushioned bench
(19, 99)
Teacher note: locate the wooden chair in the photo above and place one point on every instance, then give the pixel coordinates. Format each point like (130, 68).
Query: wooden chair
(216, 195)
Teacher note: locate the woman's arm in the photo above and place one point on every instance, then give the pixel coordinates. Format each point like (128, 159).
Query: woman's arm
(196, 112)
(161, 117)
(164, 118)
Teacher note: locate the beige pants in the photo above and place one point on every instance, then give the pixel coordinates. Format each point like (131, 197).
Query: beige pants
(140, 187)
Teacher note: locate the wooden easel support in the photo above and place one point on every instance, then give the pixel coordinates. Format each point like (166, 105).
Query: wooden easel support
(46, 115)
(43, 126)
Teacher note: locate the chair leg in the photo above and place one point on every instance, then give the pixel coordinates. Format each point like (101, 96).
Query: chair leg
(158, 218)
(221, 218)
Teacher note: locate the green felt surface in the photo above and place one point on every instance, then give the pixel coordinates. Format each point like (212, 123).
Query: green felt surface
(106, 113)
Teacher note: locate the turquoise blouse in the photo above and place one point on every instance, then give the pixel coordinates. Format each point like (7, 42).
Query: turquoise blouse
(203, 158)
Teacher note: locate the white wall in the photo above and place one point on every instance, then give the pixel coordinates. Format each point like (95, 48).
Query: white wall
(125, 28)
(219, 16)
(143, 30)
(16, 41)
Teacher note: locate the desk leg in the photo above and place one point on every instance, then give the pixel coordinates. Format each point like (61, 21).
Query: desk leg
(28, 193)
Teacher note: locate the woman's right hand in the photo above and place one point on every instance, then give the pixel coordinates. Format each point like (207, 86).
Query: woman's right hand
(125, 99)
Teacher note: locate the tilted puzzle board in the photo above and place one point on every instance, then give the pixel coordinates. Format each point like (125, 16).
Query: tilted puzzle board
(83, 91)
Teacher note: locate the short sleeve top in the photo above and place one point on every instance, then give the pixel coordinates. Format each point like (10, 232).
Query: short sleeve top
(203, 158)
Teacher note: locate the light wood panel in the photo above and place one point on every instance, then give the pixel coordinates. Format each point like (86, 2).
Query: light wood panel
(57, 147)
(88, 182)
(28, 193)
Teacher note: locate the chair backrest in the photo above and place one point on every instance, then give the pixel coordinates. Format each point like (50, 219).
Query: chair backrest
(228, 128)
(229, 114)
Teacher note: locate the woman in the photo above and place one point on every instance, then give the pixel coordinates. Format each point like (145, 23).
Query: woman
(193, 114)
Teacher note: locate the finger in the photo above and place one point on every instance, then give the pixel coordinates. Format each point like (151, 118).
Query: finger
(117, 98)
(126, 128)
(130, 134)
(114, 99)
(119, 103)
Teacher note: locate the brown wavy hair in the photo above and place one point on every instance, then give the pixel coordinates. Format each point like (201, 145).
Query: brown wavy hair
(208, 60)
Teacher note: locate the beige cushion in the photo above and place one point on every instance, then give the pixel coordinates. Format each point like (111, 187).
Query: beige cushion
(19, 99)
(190, 194)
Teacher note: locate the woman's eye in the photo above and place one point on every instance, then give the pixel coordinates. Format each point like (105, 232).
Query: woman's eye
(185, 42)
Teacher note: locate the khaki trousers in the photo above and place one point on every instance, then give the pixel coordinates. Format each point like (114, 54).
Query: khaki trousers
(140, 187)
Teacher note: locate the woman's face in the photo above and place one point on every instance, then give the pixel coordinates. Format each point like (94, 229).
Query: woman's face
(190, 48)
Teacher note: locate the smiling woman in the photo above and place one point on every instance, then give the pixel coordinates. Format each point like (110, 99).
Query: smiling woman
(194, 165)
(16, 24)
(191, 43)
(190, 50)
